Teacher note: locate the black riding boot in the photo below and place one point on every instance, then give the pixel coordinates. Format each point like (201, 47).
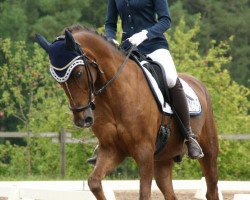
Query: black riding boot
(180, 105)
(92, 160)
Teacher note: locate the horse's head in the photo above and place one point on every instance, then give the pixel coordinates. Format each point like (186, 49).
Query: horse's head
(75, 72)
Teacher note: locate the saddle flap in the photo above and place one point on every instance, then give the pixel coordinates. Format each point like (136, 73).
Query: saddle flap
(192, 99)
(156, 79)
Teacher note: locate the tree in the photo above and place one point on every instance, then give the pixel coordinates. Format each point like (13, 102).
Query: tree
(24, 83)
(20, 20)
(95, 13)
(13, 21)
(30, 94)
(221, 20)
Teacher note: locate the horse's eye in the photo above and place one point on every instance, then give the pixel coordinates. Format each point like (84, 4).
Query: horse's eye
(78, 74)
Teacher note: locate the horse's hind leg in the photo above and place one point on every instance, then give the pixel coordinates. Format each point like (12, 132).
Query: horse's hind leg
(209, 168)
(209, 143)
(163, 178)
(107, 161)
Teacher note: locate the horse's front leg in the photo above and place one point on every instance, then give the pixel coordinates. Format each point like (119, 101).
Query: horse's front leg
(107, 161)
(144, 158)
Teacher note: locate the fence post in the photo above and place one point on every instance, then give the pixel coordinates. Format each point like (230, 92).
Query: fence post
(62, 137)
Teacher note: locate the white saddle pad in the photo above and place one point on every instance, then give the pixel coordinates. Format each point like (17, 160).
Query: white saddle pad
(192, 99)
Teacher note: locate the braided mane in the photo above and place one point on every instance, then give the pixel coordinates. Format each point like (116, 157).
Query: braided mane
(77, 28)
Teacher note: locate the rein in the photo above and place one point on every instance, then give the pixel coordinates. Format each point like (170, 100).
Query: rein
(92, 90)
(96, 93)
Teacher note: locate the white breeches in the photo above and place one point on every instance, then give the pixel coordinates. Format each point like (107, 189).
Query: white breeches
(164, 57)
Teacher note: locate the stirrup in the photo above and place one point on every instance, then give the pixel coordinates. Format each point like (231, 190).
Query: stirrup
(92, 160)
(194, 149)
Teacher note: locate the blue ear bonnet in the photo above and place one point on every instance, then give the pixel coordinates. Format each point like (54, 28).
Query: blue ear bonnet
(58, 54)
(62, 60)
(64, 53)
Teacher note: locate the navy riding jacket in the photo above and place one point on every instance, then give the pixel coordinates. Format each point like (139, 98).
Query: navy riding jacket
(137, 15)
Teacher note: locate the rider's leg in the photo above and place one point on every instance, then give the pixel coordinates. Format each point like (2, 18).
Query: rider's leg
(92, 160)
(180, 104)
(179, 100)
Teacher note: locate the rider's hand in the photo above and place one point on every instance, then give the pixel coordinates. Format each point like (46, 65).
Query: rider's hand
(113, 41)
(138, 38)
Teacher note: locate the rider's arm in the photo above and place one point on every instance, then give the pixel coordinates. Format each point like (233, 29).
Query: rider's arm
(111, 20)
(164, 20)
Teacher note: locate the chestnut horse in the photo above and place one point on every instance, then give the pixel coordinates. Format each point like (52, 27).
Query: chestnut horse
(126, 117)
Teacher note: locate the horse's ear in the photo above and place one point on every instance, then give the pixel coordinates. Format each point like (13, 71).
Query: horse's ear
(70, 41)
(43, 42)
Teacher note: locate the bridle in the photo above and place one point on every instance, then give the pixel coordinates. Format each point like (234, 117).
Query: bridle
(88, 62)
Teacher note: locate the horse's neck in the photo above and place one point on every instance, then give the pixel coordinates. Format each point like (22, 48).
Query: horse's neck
(129, 81)
(110, 59)
(126, 83)
(125, 80)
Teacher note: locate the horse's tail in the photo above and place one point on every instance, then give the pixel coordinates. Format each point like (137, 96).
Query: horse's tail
(210, 126)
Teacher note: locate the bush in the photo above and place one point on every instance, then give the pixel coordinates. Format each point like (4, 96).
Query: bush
(45, 162)
(41, 158)
(233, 163)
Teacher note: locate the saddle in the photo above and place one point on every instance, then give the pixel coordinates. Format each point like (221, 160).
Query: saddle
(156, 70)
(152, 66)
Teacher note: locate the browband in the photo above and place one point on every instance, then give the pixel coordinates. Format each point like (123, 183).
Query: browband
(71, 65)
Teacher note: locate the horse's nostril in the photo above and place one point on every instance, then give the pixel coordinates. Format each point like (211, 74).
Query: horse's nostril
(79, 123)
(89, 120)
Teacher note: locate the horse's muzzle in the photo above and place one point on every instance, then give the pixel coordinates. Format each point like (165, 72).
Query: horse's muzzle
(87, 120)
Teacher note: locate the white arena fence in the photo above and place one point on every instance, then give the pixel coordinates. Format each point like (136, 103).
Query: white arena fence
(79, 190)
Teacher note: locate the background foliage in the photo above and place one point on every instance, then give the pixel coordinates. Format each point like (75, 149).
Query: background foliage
(20, 20)
(208, 39)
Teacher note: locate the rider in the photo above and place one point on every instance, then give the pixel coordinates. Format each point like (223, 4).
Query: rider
(144, 23)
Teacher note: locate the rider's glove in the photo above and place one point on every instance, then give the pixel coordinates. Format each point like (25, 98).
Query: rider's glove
(138, 38)
(113, 41)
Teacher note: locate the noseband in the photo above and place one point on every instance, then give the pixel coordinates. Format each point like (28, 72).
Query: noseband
(92, 91)
(90, 104)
